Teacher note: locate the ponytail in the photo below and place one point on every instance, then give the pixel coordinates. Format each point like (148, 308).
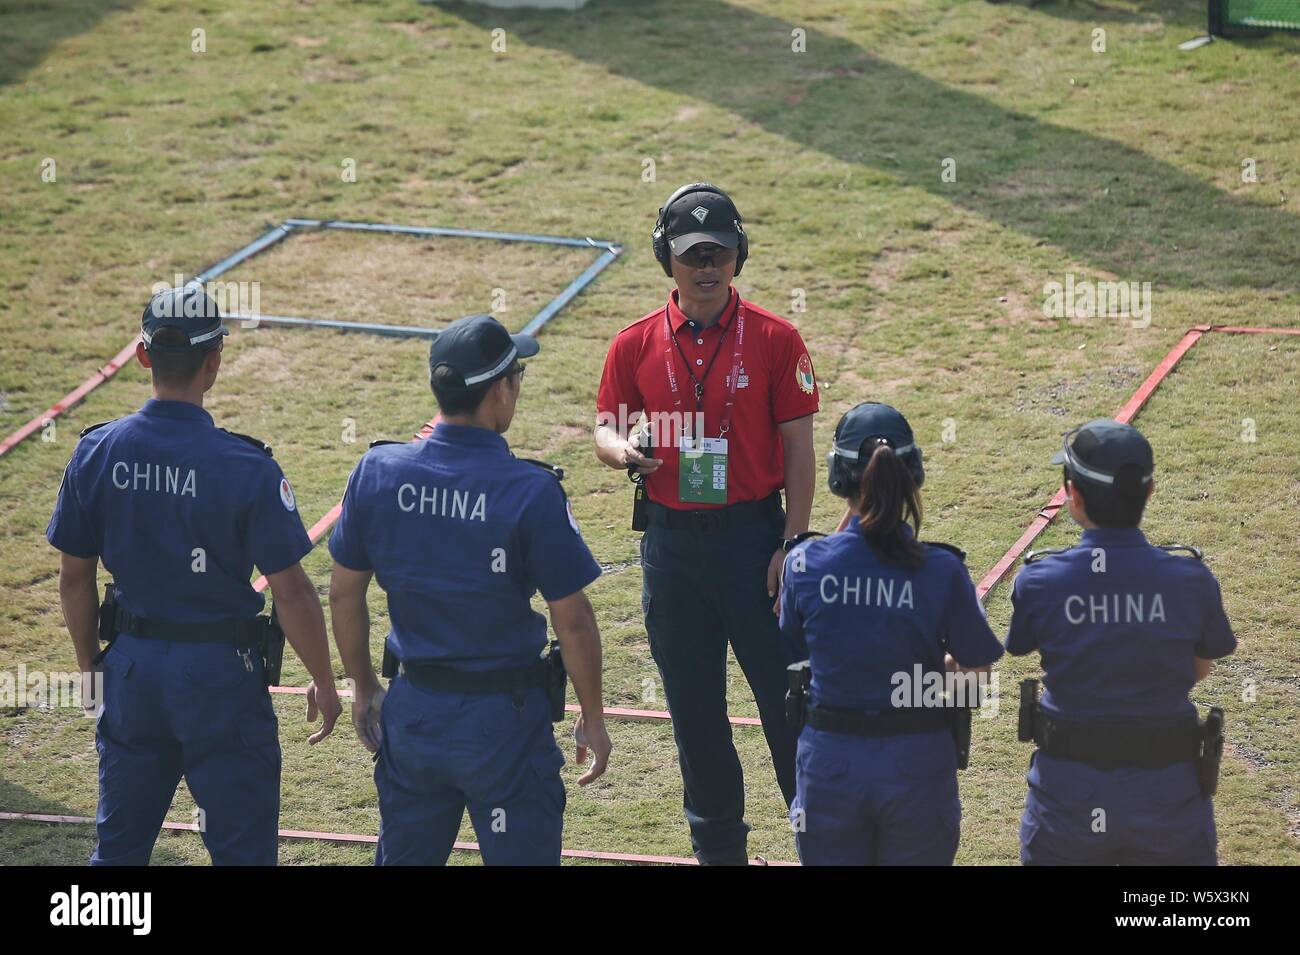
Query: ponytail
(887, 497)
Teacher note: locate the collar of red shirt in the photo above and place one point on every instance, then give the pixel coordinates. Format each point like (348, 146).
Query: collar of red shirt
(678, 318)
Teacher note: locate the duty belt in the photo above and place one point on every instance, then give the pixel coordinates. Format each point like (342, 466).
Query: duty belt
(242, 633)
(1118, 745)
(715, 518)
(886, 723)
(514, 681)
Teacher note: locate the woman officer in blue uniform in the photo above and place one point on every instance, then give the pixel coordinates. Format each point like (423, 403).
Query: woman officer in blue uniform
(881, 617)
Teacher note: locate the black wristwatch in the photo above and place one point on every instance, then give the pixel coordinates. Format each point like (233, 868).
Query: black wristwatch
(791, 542)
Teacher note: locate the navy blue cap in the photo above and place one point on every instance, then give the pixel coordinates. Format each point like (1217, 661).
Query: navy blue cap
(1096, 451)
(479, 349)
(870, 421)
(188, 308)
(701, 217)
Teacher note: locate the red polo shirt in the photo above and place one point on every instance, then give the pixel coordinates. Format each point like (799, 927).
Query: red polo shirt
(775, 384)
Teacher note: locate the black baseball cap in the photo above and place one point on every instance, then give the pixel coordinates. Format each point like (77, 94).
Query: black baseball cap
(701, 217)
(479, 349)
(871, 420)
(188, 308)
(1098, 450)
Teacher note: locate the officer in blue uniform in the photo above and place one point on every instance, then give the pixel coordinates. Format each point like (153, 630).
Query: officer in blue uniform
(461, 534)
(880, 618)
(180, 511)
(1123, 771)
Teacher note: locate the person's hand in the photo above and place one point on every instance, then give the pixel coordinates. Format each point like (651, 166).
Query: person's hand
(631, 457)
(367, 704)
(775, 571)
(591, 737)
(323, 700)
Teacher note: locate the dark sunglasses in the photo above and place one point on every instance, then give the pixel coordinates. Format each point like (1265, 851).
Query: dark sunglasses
(715, 255)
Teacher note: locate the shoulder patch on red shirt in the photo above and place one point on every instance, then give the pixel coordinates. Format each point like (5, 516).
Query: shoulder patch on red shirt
(804, 374)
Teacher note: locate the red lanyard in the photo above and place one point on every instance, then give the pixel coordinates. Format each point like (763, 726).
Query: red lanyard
(670, 340)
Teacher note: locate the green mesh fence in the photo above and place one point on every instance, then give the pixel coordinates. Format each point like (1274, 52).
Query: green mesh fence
(1255, 14)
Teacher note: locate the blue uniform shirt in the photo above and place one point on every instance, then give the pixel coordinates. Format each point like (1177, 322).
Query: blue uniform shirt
(179, 511)
(860, 620)
(460, 534)
(1118, 623)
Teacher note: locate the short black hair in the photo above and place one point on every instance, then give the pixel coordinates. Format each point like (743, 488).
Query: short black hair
(1116, 506)
(175, 368)
(453, 397)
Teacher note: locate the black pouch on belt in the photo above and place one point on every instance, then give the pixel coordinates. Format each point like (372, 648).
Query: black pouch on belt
(961, 727)
(272, 648)
(107, 621)
(388, 668)
(1207, 765)
(557, 679)
(1028, 707)
(108, 615)
(799, 679)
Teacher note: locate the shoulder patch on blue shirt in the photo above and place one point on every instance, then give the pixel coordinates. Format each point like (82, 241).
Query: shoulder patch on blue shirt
(553, 468)
(91, 427)
(961, 554)
(1034, 555)
(255, 442)
(556, 472)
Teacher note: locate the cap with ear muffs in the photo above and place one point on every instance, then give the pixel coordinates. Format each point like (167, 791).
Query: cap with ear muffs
(856, 436)
(695, 213)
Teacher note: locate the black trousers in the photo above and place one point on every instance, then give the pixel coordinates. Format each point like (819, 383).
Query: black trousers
(704, 586)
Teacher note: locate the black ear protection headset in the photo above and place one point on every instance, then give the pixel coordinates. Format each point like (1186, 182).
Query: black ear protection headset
(659, 242)
(845, 464)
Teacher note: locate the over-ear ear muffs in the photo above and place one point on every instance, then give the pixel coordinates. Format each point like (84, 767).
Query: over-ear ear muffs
(838, 479)
(839, 476)
(658, 242)
(843, 476)
(917, 467)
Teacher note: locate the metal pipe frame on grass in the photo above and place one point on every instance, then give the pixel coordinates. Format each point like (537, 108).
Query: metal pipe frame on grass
(609, 251)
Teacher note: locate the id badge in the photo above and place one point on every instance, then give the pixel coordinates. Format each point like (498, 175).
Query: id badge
(702, 470)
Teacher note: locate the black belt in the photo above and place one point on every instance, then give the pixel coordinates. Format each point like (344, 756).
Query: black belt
(243, 633)
(715, 518)
(886, 723)
(1118, 745)
(515, 680)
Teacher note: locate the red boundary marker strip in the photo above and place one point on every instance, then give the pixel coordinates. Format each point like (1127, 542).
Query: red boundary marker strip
(111, 368)
(1159, 373)
(358, 838)
(1007, 560)
(1243, 330)
(1053, 507)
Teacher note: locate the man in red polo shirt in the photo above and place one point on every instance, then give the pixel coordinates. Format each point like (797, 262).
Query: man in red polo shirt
(727, 391)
